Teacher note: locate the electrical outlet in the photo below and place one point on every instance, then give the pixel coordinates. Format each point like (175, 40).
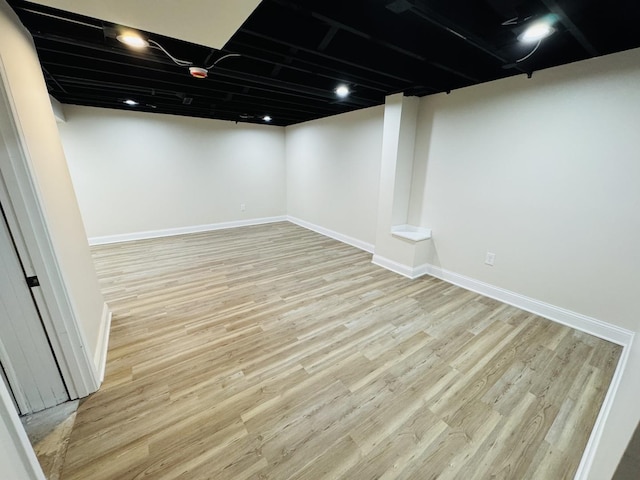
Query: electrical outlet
(242, 207)
(490, 258)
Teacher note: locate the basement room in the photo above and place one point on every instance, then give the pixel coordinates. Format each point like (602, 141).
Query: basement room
(311, 239)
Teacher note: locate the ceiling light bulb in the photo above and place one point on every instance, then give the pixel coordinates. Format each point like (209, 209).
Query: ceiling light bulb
(130, 102)
(133, 40)
(342, 91)
(266, 118)
(536, 32)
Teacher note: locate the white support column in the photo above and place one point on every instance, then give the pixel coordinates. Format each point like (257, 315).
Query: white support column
(398, 245)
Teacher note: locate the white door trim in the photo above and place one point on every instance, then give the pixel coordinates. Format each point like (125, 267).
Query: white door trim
(19, 188)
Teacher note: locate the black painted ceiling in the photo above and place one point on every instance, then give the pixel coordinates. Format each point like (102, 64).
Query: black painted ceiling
(295, 53)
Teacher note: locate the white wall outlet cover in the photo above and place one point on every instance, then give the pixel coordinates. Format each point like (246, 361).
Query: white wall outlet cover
(490, 258)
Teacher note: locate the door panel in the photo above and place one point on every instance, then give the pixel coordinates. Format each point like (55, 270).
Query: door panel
(25, 352)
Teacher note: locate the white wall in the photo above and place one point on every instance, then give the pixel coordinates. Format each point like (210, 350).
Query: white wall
(33, 116)
(17, 459)
(333, 171)
(136, 172)
(545, 173)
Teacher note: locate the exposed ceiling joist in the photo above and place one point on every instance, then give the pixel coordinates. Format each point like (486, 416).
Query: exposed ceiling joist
(294, 54)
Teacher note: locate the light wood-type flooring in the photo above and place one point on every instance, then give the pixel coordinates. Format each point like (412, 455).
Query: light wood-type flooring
(272, 352)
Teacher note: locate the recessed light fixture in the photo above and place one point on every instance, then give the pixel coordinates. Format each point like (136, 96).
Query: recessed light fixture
(536, 32)
(131, 103)
(266, 118)
(198, 72)
(132, 39)
(342, 91)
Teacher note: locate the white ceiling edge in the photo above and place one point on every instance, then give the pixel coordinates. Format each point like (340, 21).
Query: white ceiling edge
(205, 22)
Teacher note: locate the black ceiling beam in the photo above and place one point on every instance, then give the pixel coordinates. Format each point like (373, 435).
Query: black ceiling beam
(324, 55)
(422, 11)
(240, 106)
(335, 24)
(160, 59)
(571, 27)
(291, 87)
(327, 38)
(239, 76)
(126, 53)
(201, 91)
(248, 108)
(189, 112)
(392, 46)
(249, 99)
(234, 113)
(312, 68)
(359, 33)
(47, 74)
(155, 58)
(281, 86)
(234, 109)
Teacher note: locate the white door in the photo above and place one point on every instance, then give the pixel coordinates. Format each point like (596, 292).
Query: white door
(27, 360)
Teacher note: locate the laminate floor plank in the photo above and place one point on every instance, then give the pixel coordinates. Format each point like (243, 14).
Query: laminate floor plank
(272, 352)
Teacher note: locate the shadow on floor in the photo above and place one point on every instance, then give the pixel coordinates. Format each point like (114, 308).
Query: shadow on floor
(629, 467)
(49, 432)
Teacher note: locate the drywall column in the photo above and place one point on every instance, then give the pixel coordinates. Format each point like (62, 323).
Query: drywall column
(398, 140)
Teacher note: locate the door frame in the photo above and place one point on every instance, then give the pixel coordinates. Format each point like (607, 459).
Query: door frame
(24, 209)
(35, 385)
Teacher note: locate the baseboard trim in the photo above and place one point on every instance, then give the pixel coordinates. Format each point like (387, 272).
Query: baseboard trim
(586, 462)
(354, 242)
(100, 357)
(569, 318)
(592, 326)
(399, 268)
(169, 232)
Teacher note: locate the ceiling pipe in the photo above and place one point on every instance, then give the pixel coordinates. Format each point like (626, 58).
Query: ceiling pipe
(571, 27)
(420, 10)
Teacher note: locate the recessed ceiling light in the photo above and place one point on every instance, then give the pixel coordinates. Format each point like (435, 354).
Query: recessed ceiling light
(342, 91)
(130, 102)
(266, 118)
(133, 40)
(536, 32)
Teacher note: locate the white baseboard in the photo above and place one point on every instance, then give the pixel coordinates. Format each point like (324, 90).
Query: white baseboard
(569, 318)
(100, 357)
(354, 242)
(592, 326)
(588, 456)
(129, 237)
(396, 267)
